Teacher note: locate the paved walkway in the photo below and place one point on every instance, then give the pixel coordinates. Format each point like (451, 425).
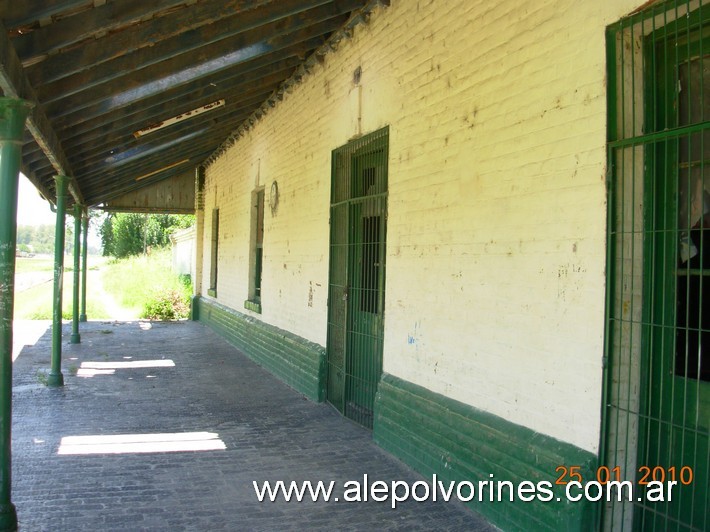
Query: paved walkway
(212, 397)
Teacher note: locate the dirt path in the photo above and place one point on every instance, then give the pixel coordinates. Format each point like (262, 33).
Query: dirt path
(25, 281)
(115, 311)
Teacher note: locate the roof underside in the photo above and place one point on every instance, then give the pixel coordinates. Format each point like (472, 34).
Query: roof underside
(114, 80)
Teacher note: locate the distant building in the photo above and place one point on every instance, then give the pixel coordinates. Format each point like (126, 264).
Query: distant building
(183, 247)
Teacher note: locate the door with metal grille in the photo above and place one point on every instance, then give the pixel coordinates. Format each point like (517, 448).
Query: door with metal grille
(658, 332)
(357, 275)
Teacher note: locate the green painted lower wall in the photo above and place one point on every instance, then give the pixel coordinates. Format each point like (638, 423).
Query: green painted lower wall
(437, 435)
(295, 360)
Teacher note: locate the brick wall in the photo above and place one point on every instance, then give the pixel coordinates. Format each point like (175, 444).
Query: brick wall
(496, 229)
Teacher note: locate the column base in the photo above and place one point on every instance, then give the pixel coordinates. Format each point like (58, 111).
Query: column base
(82, 318)
(8, 518)
(75, 338)
(55, 379)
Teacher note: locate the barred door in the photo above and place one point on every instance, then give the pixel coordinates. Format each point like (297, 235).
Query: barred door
(658, 330)
(357, 275)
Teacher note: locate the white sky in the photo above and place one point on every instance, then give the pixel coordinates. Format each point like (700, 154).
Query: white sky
(31, 208)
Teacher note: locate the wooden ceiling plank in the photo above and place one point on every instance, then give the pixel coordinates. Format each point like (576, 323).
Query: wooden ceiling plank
(158, 109)
(108, 17)
(109, 102)
(119, 189)
(101, 190)
(150, 34)
(101, 147)
(25, 12)
(108, 105)
(35, 156)
(92, 116)
(207, 129)
(159, 155)
(157, 158)
(122, 128)
(30, 148)
(14, 84)
(175, 55)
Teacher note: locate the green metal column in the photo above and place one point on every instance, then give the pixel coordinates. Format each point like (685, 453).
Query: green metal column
(55, 377)
(13, 114)
(85, 233)
(75, 336)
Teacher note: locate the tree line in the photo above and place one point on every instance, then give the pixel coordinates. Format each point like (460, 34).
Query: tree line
(125, 234)
(122, 234)
(40, 239)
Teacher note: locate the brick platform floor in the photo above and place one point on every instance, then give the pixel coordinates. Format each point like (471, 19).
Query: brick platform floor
(269, 432)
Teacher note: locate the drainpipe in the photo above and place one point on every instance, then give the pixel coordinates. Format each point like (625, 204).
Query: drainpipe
(75, 336)
(85, 219)
(55, 377)
(13, 113)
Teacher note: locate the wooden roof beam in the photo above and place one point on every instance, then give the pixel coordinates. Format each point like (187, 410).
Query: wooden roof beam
(14, 83)
(103, 112)
(143, 35)
(114, 129)
(35, 45)
(198, 47)
(22, 13)
(101, 145)
(154, 158)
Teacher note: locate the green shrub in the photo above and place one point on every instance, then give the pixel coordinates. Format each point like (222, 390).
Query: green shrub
(169, 305)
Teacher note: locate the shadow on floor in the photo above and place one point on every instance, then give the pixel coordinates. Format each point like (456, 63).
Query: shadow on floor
(153, 393)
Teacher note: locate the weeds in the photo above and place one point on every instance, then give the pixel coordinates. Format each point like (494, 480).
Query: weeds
(41, 376)
(171, 305)
(146, 285)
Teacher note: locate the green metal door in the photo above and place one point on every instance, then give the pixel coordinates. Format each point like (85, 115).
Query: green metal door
(657, 396)
(676, 372)
(357, 275)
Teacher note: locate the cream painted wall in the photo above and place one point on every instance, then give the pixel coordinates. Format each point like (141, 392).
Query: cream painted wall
(496, 229)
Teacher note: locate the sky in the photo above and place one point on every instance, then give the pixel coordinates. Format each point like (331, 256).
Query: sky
(31, 208)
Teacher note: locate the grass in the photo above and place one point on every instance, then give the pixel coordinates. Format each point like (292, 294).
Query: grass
(136, 282)
(35, 264)
(36, 303)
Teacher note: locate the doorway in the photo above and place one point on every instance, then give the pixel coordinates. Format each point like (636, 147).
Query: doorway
(356, 291)
(657, 409)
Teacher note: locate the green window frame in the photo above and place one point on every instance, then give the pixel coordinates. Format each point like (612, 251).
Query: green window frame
(257, 252)
(214, 253)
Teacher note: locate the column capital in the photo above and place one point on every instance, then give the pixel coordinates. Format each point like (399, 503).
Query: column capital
(13, 113)
(61, 179)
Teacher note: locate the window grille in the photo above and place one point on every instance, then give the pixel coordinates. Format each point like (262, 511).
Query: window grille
(256, 251)
(258, 246)
(214, 244)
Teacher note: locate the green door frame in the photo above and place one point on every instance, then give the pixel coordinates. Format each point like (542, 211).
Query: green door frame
(668, 428)
(357, 275)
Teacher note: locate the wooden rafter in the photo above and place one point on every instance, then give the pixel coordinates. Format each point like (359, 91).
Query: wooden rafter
(99, 70)
(14, 83)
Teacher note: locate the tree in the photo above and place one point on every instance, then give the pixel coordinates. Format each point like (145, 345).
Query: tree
(41, 238)
(106, 233)
(124, 234)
